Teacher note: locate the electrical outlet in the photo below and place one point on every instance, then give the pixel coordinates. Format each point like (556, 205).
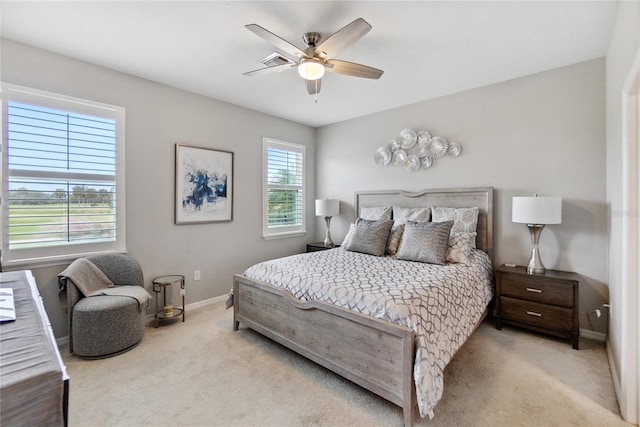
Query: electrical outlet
(196, 275)
(610, 310)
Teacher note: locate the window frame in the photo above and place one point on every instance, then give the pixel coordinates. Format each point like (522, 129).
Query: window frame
(281, 231)
(45, 255)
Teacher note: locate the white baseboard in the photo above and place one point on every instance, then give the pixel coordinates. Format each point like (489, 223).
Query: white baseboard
(593, 335)
(614, 372)
(206, 302)
(198, 304)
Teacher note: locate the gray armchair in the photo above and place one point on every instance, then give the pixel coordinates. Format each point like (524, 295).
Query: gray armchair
(105, 325)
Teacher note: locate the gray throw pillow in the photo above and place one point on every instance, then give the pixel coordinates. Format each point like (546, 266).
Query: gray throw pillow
(425, 242)
(370, 237)
(400, 217)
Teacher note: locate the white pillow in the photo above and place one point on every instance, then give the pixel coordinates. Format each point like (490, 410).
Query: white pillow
(465, 220)
(382, 213)
(460, 246)
(402, 215)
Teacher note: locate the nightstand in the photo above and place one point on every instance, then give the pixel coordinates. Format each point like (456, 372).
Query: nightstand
(545, 302)
(319, 246)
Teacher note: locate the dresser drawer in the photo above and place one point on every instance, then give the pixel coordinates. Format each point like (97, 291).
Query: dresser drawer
(542, 291)
(533, 313)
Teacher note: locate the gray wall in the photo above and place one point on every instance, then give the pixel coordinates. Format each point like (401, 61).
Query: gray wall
(543, 134)
(158, 117)
(624, 46)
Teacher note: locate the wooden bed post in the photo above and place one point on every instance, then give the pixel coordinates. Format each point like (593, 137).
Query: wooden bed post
(236, 308)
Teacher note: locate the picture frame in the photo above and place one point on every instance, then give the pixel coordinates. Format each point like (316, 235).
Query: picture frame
(204, 185)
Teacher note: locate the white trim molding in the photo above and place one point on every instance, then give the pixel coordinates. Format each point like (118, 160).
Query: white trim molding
(627, 389)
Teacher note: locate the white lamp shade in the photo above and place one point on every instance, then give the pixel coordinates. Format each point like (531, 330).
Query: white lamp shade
(327, 207)
(537, 210)
(310, 69)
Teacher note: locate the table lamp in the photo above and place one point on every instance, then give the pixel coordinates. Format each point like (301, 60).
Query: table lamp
(327, 208)
(536, 212)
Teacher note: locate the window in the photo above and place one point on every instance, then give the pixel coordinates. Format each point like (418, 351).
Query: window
(63, 176)
(283, 210)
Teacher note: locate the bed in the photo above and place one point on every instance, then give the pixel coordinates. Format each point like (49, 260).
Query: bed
(395, 333)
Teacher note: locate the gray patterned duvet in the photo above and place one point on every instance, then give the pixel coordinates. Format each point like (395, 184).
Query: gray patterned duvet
(442, 304)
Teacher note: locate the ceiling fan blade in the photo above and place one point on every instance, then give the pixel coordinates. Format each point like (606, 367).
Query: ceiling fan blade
(275, 40)
(313, 86)
(342, 38)
(268, 70)
(353, 69)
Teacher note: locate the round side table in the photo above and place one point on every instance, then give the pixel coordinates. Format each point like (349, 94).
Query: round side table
(159, 285)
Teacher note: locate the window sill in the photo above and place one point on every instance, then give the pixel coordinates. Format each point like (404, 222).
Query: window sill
(28, 264)
(284, 235)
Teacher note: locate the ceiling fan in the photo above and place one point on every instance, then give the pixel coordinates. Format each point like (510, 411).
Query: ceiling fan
(313, 61)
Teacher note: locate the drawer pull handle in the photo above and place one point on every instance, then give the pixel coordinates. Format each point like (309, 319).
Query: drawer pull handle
(533, 313)
(534, 290)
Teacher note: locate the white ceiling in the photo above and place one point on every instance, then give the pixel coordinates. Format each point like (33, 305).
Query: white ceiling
(426, 49)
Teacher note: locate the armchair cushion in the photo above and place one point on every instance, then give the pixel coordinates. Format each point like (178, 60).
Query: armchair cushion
(120, 268)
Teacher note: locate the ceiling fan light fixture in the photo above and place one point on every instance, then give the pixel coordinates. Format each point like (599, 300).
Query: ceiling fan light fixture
(311, 69)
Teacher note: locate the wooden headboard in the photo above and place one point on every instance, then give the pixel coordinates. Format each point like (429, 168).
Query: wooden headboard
(482, 197)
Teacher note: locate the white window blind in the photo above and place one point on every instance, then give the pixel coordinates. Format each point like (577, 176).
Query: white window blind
(63, 187)
(284, 200)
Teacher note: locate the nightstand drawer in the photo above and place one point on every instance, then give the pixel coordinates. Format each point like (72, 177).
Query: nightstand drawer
(542, 315)
(533, 289)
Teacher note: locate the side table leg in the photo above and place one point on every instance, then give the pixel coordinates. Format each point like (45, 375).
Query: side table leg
(182, 292)
(156, 313)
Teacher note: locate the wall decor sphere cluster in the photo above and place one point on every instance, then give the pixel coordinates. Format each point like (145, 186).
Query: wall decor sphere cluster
(416, 150)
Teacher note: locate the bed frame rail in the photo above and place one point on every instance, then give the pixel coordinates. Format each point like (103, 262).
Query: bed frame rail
(372, 353)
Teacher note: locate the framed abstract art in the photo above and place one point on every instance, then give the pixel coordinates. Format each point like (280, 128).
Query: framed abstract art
(204, 185)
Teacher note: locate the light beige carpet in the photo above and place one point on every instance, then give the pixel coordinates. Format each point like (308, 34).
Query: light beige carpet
(202, 373)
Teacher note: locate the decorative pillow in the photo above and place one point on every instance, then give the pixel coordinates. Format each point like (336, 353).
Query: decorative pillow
(394, 239)
(400, 217)
(370, 237)
(465, 220)
(349, 236)
(376, 214)
(425, 242)
(459, 247)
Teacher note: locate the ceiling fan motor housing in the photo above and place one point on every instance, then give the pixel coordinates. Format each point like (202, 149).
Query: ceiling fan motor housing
(311, 39)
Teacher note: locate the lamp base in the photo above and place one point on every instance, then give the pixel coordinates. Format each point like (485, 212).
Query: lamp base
(535, 263)
(327, 237)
